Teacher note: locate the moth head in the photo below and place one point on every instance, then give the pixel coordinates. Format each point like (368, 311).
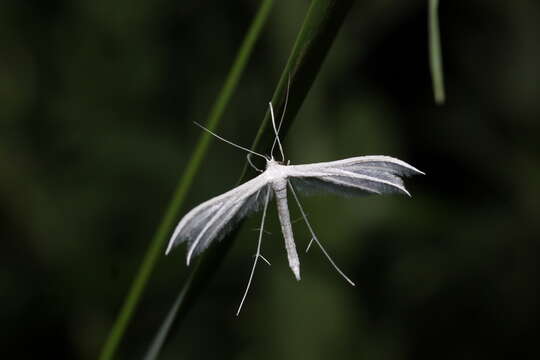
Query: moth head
(273, 162)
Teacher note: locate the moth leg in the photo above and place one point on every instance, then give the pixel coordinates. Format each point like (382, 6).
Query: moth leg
(264, 231)
(257, 255)
(314, 237)
(309, 245)
(264, 259)
(251, 163)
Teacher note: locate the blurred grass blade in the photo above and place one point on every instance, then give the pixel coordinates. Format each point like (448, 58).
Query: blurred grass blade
(321, 25)
(318, 32)
(161, 336)
(203, 269)
(155, 248)
(435, 55)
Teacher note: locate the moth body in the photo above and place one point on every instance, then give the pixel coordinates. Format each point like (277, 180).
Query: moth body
(280, 190)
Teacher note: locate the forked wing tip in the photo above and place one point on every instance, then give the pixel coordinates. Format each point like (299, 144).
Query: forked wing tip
(415, 170)
(420, 172)
(409, 166)
(169, 248)
(188, 257)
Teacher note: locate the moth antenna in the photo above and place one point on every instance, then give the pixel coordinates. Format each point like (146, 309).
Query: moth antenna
(276, 131)
(284, 110)
(230, 142)
(257, 255)
(251, 163)
(314, 237)
(286, 102)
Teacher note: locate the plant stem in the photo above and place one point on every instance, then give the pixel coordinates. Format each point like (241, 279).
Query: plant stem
(435, 53)
(157, 243)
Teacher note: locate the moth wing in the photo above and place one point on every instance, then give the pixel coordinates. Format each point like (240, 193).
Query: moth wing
(376, 174)
(213, 219)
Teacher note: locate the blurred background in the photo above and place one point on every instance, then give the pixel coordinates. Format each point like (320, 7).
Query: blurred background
(97, 100)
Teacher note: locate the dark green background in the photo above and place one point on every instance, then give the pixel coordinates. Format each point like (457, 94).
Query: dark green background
(97, 100)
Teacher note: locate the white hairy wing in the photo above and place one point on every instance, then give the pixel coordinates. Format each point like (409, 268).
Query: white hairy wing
(353, 176)
(213, 219)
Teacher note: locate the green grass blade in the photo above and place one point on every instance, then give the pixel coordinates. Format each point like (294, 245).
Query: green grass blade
(161, 336)
(203, 270)
(159, 340)
(435, 54)
(155, 248)
(321, 25)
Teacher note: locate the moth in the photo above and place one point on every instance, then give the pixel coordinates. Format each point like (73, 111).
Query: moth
(213, 219)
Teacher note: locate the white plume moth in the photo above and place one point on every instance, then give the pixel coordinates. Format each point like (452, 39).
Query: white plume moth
(213, 219)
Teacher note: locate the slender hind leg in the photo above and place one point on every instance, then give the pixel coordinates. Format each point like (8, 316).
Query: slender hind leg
(314, 237)
(258, 254)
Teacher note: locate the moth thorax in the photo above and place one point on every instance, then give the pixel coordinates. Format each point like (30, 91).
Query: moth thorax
(273, 162)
